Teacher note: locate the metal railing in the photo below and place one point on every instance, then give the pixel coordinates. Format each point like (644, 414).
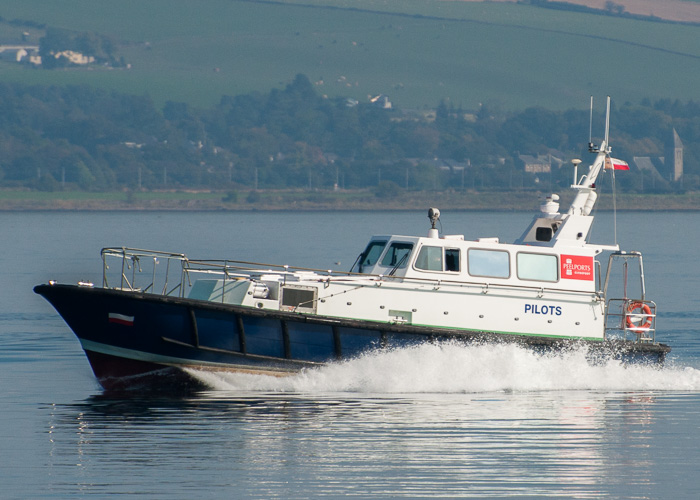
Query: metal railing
(166, 273)
(130, 266)
(634, 318)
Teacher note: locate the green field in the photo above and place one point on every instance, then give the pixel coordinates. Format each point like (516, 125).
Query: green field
(417, 52)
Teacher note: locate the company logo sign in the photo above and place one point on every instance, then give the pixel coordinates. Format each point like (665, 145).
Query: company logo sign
(577, 267)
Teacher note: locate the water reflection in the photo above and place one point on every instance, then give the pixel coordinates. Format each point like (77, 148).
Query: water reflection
(262, 445)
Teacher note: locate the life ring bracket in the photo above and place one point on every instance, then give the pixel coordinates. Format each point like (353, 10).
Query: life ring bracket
(639, 317)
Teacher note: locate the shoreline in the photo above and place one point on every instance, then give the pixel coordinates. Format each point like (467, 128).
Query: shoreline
(310, 201)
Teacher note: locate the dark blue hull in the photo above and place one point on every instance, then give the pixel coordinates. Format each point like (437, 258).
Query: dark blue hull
(130, 337)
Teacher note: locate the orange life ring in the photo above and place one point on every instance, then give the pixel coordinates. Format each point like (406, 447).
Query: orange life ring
(646, 317)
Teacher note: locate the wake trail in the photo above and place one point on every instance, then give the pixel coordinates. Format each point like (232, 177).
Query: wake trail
(458, 368)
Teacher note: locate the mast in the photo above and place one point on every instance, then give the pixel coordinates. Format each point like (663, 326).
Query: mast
(586, 197)
(571, 229)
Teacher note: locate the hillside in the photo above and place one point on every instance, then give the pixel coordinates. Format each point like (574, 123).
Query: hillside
(417, 52)
(687, 11)
(684, 11)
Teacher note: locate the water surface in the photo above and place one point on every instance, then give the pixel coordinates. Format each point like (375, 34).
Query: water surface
(429, 421)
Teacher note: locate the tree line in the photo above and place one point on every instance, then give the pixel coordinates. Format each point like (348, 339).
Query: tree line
(77, 137)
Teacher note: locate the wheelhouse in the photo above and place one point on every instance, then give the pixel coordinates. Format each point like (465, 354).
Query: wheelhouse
(486, 260)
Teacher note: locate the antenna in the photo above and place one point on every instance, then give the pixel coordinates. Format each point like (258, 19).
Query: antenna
(590, 123)
(591, 147)
(607, 125)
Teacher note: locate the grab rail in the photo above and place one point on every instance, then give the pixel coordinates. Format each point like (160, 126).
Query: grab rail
(179, 268)
(133, 259)
(621, 313)
(622, 316)
(133, 262)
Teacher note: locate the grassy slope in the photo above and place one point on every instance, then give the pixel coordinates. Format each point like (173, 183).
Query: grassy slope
(515, 55)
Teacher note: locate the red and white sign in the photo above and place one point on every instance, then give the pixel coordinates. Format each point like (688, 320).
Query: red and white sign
(121, 319)
(577, 267)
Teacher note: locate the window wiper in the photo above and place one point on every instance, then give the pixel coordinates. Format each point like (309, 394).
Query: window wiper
(398, 264)
(358, 260)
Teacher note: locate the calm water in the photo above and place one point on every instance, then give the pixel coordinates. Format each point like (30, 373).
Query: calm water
(430, 421)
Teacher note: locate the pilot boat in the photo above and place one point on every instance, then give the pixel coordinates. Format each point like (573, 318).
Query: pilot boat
(164, 314)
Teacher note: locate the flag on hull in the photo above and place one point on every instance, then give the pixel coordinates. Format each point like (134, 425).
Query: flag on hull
(121, 319)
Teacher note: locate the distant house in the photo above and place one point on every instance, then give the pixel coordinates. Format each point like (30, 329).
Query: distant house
(30, 53)
(650, 165)
(20, 53)
(446, 165)
(536, 164)
(74, 57)
(668, 167)
(542, 164)
(381, 101)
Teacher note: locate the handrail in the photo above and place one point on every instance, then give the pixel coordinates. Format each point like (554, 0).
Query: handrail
(338, 276)
(135, 259)
(142, 252)
(286, 269)
(618, 315)
(618, 311)
(625, 256)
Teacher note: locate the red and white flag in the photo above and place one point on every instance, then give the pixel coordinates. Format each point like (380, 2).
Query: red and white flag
(615, 164)
(121, 319)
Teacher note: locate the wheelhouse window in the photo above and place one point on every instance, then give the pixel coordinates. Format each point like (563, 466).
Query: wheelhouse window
(429, 259)
(371, 254)
(488, 263)
(544, 234)
(432, 258)
(452, 259)
(397, 255)
(537, 267)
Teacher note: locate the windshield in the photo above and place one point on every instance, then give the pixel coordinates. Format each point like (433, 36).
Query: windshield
(397, 255)
(371, 254)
